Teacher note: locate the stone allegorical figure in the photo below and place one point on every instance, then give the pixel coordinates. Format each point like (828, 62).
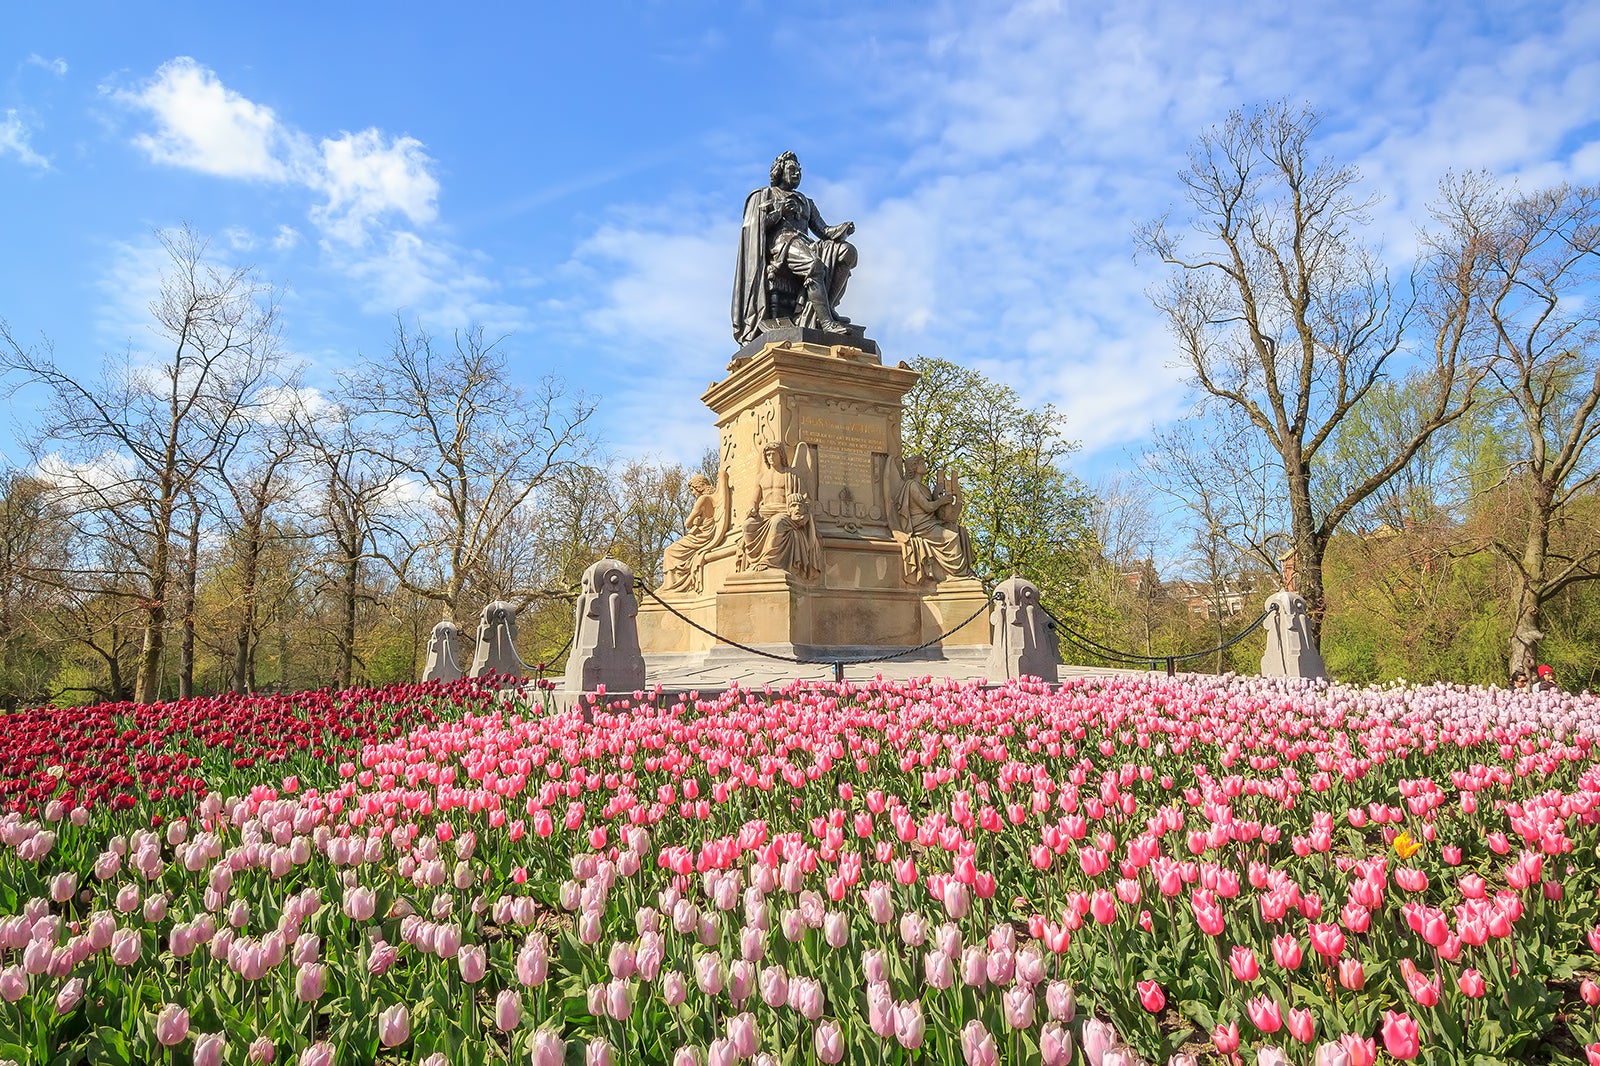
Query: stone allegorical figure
(784, 239)
(683, 561)
(778, 531)
(933, 543)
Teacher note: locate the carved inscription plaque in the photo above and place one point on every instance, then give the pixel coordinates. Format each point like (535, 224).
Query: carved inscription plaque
(846, 441)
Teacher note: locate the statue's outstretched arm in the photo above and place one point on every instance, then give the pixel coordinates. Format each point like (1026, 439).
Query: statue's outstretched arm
(825, 231)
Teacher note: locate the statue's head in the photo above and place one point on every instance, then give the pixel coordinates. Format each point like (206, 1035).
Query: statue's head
(785, 173)
(699, 484)
(916, 465)
(799, 504)
(773, 455)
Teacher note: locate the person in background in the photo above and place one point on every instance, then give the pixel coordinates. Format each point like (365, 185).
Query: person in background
(1547, 679)
(1519, 681)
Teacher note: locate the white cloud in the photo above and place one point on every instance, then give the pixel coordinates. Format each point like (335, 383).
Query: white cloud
(367, 176)
(14, 138)
(378, 193)
(239, 238)
(203, 125)
(108, 475)
(432, 279)
(56, 66)
(278, 404)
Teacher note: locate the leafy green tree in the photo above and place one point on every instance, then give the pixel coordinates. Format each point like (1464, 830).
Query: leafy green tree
(1026, 512)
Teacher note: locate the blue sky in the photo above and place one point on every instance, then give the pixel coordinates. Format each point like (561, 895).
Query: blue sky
(573, 174)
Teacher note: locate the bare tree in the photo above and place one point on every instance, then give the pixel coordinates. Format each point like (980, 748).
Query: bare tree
(254, 469)
(355, 487)
(133, 445)
(1540, 304)
(475, 445)
(1283, 314)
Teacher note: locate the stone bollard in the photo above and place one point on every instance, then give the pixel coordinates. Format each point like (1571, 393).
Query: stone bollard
(1023, 641)
(497, 641)
(441, 664)
(605, 636)
(1290, 651)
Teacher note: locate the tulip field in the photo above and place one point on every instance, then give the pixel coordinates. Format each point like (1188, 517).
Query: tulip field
(1116, 870)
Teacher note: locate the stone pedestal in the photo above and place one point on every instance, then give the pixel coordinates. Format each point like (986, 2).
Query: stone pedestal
(835, 410)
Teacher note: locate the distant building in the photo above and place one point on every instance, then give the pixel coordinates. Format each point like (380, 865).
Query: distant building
(1231, 598)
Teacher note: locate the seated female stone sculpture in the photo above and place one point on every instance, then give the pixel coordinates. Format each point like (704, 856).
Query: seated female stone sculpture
(683, 563)
(933, 543)
(778, 531)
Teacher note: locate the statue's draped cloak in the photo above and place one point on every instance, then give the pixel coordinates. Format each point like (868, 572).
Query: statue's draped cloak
(750, 307)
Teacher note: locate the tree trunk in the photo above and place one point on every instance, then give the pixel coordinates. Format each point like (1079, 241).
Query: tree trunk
(243, 637)
(155, 623)
(190, 579)
(1527, 619)
(347, 634)
(1308, 545)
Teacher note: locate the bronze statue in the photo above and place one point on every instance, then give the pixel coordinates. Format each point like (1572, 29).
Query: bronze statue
(792, 265)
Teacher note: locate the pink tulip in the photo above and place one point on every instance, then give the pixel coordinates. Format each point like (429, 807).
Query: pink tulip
(1359, 1051)
(394, 1025)
(508, 1010)
(13, 984)
(829, 1042)
(474, 963)
(1055, 1044)
(1331, 1054)
(774, 985)
(548, 1048)
(318, 1054)
(125, 945)
(262, 1051)
(978, 1046)
(70, 996)
(1400, 1035)
(1265, 1014)
(310, 982)
(599, 1053)
(1098, 1038)
(1018, 1006)
(209, 1049)
(910, 1027)
(744, 1035)
(172, 1025)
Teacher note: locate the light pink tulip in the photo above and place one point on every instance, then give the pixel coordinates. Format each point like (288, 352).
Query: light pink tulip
(394, 1025)
(172, 1025)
